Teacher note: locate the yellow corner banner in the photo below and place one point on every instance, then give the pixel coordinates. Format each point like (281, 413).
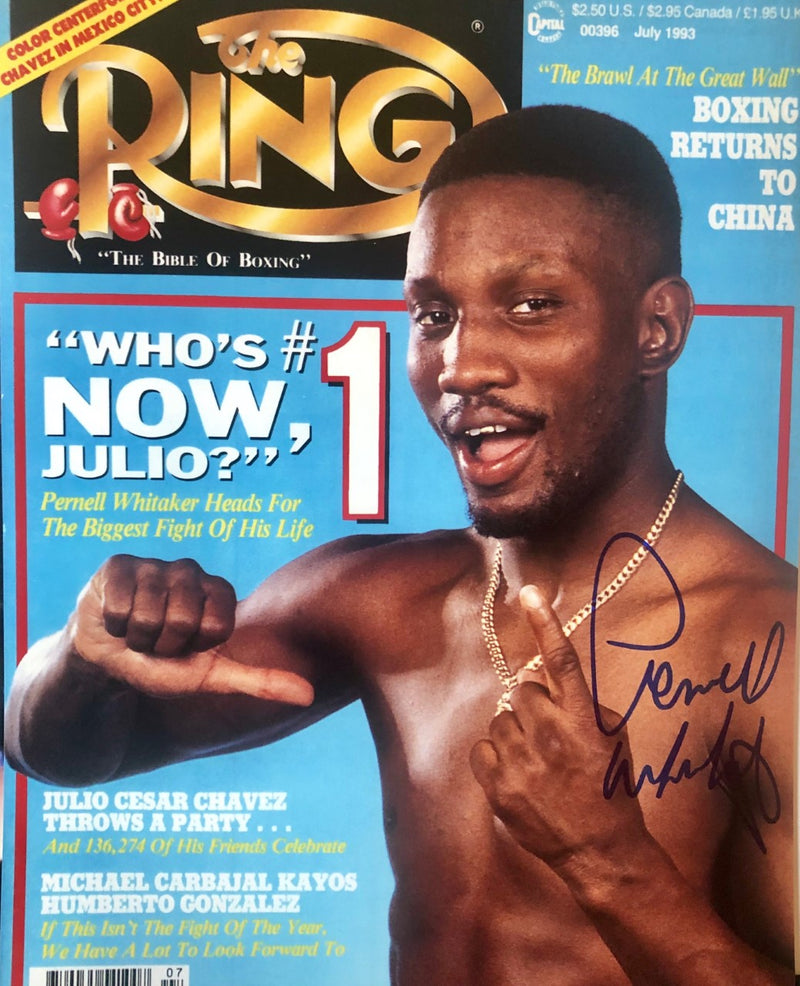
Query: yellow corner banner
(74, 32)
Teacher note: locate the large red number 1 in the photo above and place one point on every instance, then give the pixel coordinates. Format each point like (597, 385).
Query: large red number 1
(358, 362)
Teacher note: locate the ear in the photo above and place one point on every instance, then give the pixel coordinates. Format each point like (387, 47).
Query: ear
(665, 316)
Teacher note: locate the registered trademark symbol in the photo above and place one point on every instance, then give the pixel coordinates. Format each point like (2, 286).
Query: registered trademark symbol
(478, 26)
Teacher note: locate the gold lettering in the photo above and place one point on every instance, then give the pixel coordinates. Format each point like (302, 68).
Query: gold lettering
(207, 130)
(256, 121)
(308, 143)
(266, 52)
(357, 118)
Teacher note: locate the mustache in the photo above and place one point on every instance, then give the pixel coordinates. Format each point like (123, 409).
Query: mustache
(526, 418)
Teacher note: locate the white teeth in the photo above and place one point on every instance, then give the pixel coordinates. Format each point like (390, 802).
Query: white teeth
(486, 430)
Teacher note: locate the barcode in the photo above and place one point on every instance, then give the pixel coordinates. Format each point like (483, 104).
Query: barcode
(97, 977)
(162, 975)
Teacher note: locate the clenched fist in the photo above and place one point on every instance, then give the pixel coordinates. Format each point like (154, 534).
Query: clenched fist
(165, 629)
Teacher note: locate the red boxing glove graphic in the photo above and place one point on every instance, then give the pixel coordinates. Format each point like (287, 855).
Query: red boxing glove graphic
(58, 208)
(131, 216)
(126, 212)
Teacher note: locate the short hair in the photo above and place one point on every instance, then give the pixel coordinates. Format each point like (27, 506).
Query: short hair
(595, 150)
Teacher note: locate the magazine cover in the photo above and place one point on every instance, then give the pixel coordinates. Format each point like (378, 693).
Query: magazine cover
(375, 612)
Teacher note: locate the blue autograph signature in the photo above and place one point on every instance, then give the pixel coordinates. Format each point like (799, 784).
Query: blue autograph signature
(730, 760)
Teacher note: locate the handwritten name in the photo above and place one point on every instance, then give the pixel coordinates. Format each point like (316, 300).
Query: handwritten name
(730, 761)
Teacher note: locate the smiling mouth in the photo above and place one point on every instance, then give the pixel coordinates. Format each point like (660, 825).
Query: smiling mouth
(492, 455)
(490, 443)
(491, 439)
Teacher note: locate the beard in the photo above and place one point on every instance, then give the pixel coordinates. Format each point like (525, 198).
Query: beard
(543, 516)
(565, 493)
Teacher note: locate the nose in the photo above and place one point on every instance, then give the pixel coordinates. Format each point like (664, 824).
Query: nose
(474, 360)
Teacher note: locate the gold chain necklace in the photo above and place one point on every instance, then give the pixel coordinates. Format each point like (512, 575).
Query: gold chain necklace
(504, 673)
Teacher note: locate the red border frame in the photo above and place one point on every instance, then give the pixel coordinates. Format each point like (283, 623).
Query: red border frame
(783, 312)
(21, 301)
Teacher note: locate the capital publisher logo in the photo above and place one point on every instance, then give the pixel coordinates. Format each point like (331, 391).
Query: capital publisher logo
(546, 21)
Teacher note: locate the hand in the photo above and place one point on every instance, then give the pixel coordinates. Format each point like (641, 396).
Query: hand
(543, 766)
(162, 628)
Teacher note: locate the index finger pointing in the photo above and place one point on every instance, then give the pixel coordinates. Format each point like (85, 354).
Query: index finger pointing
(565, 677)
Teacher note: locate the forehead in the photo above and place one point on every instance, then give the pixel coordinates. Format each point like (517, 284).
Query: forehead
(500, 222)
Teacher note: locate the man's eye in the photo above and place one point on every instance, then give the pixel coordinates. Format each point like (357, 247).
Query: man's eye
(533, 305)
(432, 318)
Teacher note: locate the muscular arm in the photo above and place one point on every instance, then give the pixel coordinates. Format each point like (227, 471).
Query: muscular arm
(542, 769)
(159, 664)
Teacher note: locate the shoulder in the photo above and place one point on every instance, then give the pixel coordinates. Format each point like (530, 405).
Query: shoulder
(731, 571)
(741, 606)
(347, 584)
(393, 557)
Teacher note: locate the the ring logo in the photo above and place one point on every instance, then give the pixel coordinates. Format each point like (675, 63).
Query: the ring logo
(546, 21)
(228, 122)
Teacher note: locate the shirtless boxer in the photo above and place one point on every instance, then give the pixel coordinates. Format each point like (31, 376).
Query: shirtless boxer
(558, 843)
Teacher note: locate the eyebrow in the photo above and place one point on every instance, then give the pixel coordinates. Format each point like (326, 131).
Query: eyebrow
(538, 264)
(426, 282)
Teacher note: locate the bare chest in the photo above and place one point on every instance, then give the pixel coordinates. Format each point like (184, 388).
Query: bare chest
(681, 717)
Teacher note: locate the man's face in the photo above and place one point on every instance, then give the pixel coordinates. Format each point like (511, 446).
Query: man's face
(523, 351)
